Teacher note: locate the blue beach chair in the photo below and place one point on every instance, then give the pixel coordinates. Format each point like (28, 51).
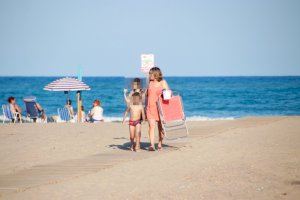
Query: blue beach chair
(31, 109)
(64, 114)
(8, 115)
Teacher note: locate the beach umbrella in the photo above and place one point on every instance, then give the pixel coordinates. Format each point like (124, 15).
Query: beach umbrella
(69, 84)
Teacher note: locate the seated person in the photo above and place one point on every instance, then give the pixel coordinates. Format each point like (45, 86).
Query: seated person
(70, 108)
(83, 117)
(14, 108)
(96, 114)
(41, 111)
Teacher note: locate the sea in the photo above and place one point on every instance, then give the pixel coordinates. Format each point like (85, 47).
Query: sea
(204, 98)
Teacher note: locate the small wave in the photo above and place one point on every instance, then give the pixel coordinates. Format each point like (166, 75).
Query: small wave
(191, 118)
(119, 119)
(113, 119)
(203, 118)
(24, 119)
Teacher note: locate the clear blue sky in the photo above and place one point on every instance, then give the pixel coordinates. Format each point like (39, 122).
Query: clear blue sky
(191, 37)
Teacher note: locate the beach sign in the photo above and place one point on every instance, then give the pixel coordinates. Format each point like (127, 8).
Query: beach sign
(147, 61)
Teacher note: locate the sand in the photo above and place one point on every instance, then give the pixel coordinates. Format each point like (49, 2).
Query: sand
(251, 158)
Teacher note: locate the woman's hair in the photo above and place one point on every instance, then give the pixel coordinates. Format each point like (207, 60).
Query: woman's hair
(97, 101)
(156, 73)
(69, 102)
(10, 99)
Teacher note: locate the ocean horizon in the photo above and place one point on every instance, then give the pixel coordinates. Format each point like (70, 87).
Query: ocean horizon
(204, 97)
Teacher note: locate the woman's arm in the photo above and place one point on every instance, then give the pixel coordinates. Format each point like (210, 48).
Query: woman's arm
(18, 108)
(165, 85)
(39, 107)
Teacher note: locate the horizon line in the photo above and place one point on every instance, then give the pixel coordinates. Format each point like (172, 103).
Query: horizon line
(142, 75)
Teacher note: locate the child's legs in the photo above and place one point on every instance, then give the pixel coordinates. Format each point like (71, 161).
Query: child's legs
(132, 133)
(138, 135)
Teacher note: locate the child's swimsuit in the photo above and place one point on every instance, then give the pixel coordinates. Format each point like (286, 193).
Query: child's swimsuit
(134, 122)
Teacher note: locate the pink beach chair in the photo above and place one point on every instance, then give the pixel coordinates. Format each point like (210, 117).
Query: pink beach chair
(172, 114)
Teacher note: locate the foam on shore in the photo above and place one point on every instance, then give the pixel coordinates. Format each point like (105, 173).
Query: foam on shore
(192, 118)
(119, 119)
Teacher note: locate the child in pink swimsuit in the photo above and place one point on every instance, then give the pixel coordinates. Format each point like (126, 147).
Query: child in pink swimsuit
(137, 114)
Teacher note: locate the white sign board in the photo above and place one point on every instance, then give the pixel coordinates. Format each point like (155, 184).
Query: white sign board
(147, 62)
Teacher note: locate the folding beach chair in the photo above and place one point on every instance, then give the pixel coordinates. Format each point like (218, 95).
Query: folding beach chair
(8, 115)
(32, 112)
(172, 115)
(64, 115)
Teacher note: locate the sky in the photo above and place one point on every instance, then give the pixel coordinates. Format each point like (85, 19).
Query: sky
(188, 38)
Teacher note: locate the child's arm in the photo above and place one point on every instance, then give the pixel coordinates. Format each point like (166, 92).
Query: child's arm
(125, 94)
(125, 115)
(127, 97)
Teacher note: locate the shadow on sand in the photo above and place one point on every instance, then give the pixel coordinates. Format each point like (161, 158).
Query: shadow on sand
(144, 146)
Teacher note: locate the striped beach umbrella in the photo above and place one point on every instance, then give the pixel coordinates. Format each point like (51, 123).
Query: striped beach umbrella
(67, 84)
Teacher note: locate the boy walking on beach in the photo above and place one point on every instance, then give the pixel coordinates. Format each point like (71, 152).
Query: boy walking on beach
(137, 114)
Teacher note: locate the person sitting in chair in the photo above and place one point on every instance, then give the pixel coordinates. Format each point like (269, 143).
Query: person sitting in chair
(14, 108)
(96, 114)
(70, 108)
(41, 111)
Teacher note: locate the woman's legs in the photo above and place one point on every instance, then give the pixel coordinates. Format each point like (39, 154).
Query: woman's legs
(160, 134)
(152, 123)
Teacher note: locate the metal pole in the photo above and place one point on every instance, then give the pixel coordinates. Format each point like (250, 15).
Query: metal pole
(79, 114)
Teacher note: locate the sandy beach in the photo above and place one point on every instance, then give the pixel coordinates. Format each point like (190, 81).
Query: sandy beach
(249, 158)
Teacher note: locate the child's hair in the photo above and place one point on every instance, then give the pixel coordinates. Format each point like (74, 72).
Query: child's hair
(82, 108)
(156, 73)
(136, 94)
(134, 97)
(69, 102)
(10, 99)
(137, 80)
(137, 83)
(97, 101)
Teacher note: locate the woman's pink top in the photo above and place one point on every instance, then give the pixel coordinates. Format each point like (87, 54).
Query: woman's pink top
(153, 94)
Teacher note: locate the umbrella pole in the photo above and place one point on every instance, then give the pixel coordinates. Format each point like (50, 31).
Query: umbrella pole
(79, 115)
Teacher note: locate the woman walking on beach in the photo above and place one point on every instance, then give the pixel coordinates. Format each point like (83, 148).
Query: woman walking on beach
(155, 87)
